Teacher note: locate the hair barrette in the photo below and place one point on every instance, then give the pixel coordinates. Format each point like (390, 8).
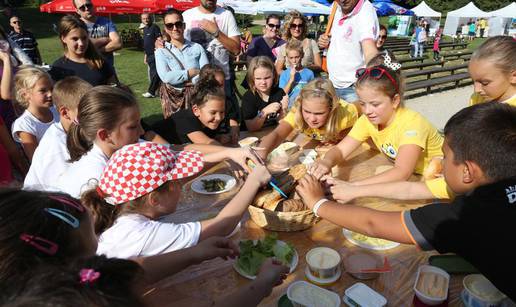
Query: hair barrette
(387, 61)
(100, 193)
(39, 243)
(88, 276)
(64, 216)
(68, 201)
(75, 121)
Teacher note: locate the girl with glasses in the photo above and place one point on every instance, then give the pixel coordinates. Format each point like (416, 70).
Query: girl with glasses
(404, 136)
(296, 28)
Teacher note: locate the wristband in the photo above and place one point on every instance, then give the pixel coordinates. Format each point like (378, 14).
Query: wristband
(317, 205)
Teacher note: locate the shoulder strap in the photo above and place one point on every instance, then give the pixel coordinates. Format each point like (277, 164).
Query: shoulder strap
(175, 57)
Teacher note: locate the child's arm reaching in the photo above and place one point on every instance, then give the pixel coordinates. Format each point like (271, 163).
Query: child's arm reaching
(6, 79)
(161, 266)
(228, 218)
(271, 274)
(200, 137)
(274, 138)
(29, 143)
(404, 166)
(403, 190)
(334, 156)
(374, 223)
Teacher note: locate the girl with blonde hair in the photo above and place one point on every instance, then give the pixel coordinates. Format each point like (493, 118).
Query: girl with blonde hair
(318, 113)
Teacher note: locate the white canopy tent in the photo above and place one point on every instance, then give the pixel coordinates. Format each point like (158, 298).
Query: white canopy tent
(462, 15)
(501, 20)
(423, 10)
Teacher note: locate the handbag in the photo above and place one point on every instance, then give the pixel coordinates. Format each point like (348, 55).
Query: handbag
(172, 99)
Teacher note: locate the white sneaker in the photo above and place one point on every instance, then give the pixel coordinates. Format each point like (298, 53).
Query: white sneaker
(148, 95)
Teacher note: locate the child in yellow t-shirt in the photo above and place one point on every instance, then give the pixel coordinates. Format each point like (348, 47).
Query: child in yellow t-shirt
(493, 70)
(403, 135)
(318, 113)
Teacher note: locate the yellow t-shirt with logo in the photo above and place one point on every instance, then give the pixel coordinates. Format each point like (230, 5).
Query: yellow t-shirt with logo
(439, 188)
(347, 115)
(408, 127)
(477, 99)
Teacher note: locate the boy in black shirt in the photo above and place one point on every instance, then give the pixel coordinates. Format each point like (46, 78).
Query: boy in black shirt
(479, 163)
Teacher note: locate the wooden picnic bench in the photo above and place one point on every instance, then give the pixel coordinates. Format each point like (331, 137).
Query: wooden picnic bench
(444, 45)
(447, 56)
(421, 65)
(429, 72)
(429, 83)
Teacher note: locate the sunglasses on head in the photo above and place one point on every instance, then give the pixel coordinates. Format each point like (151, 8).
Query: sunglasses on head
(296, 25)
(375, 73)
(177, 24)
(15, 22)
(85, 6)
(273, 26)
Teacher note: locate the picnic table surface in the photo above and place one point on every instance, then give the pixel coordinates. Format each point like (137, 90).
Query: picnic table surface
(216, 278)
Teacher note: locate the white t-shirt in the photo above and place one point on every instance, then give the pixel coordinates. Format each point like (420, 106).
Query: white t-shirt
(134, 235)
(84, 174)
(49, 160)
(345, 53)
(226, 22)
(31, 124)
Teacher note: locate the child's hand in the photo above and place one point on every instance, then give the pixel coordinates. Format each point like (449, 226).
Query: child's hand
(272, 108)
(214, 247)
(319, 168)
(260, 174)
(340, 189)
(272, 272)
(241, 155)
(284, 104)
(5, 55)
(310, 190)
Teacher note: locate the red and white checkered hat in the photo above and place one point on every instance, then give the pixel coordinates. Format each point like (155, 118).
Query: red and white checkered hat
(138, 169)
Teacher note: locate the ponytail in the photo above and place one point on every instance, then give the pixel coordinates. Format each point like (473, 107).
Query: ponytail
(100, 108)
(104, 214)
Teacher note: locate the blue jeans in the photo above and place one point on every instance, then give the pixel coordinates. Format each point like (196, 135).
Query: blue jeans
(347, 93)
(419, 49)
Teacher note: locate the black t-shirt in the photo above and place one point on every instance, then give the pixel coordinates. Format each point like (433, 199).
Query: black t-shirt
(64, 67)
(175, 128)
(252, 103)
(150, 34)
(480, 227)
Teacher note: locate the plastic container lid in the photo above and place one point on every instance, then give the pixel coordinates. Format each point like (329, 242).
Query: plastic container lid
(364, 296)
(311, 295)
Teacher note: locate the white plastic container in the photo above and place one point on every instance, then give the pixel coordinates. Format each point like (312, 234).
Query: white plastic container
(362, 296)
(304, 294)
(323, 262)
(480, 292)
(425, 297)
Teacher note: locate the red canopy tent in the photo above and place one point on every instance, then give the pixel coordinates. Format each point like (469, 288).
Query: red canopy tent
(104, 7)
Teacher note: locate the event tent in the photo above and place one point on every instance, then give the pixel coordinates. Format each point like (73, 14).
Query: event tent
(423, 10)
(501, 20)
(462, 15)
(105, 7)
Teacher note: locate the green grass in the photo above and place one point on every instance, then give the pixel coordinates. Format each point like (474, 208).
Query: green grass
(128, 62)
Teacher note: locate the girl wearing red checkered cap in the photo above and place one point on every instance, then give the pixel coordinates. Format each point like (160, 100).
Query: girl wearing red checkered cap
(142, 183)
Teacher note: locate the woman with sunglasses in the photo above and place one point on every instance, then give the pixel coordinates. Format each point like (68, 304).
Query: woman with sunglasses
(296, 27)
(402, 135)
(80, 57)
(179, 61)
(265, 44)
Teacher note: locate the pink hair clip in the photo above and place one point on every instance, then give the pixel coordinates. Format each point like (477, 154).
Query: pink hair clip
(67, 201)
(88, 276)
(41, 244)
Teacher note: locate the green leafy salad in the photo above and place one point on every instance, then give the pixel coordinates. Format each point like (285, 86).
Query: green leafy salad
(252, 254)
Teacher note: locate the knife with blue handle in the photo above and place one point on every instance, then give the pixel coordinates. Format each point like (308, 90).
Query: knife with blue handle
(273, 181)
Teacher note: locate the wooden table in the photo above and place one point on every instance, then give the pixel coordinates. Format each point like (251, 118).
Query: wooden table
(216, 278)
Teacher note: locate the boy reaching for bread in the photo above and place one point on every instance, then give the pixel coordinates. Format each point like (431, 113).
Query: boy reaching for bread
(478, 223)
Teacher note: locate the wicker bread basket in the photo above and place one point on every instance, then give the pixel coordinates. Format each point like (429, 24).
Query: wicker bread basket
(270, 211)
(282, 221)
